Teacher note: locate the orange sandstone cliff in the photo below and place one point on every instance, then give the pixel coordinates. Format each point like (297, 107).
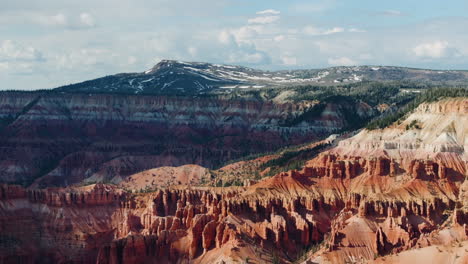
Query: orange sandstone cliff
(397, 195)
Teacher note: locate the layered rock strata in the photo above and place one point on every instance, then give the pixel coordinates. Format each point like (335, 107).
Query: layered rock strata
(375, 197)
(53, 139)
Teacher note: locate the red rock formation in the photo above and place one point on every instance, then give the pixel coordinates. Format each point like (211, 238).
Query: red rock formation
(62, 139)
(383, 202)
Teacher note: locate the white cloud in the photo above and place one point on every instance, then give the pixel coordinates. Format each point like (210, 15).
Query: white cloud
(131, 60)
(268, 12)
(263, 20)
(206, 36)
(13, 51)
(247, 33)
(87, 20)
(4, 66)
(334, 30)
(245, 57)
(356, 30)
(279, 38)
(16, 58)
(341, 61)
(436, 49)
(238, 47)
(82, 57)
(288, 60)
(226, 38)
(314, 31)
(193, 51)
(53, 20)
(61, 20)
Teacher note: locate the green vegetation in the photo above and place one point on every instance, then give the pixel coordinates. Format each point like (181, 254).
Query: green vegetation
(235, 182)
(307, 251)
(347, 107)
(275, 259)
(7, 120)
(292, 160)
(294, 157)
(148, 189)
(373, 93)
(313, 112)
(413, 124)
(428, 96)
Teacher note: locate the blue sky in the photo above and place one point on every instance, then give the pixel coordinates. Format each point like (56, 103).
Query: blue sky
(47, 43)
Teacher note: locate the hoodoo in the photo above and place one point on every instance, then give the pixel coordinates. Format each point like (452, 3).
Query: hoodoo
(385, 195)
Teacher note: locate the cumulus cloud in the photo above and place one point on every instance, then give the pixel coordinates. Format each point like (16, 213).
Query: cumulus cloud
(268, 12)
(263, 20)
(77, 21)
(247, 56)
(225, 37)
(19, 59)
(14, 51)
(238, 48)
(435, 50)
(247, 33)
(87, 20)
(267, 16)
(341, 61)
(82, 57)
(67, 51)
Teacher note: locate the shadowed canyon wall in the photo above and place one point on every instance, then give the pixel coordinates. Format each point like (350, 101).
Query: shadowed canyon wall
(60, 139)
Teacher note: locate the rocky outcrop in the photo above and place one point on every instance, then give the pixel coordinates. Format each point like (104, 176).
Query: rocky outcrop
(98, 194)
(345, 207)
(58, 139)
(405, 184)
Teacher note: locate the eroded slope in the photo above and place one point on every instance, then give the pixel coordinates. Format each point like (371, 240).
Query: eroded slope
(378, 196)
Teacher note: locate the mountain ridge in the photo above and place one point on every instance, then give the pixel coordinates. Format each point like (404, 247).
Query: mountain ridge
(180, 77)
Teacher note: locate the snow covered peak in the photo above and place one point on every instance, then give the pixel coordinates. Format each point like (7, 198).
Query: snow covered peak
(180, 77)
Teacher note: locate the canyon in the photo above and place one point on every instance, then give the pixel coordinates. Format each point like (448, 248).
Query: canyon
(58, 139)
(392, 195)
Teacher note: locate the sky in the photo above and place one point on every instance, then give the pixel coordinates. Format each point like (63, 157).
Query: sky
(48, 43)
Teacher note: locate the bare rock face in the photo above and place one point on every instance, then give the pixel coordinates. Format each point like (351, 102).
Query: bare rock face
(367, 199)
(167, 176)
(55, 140)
